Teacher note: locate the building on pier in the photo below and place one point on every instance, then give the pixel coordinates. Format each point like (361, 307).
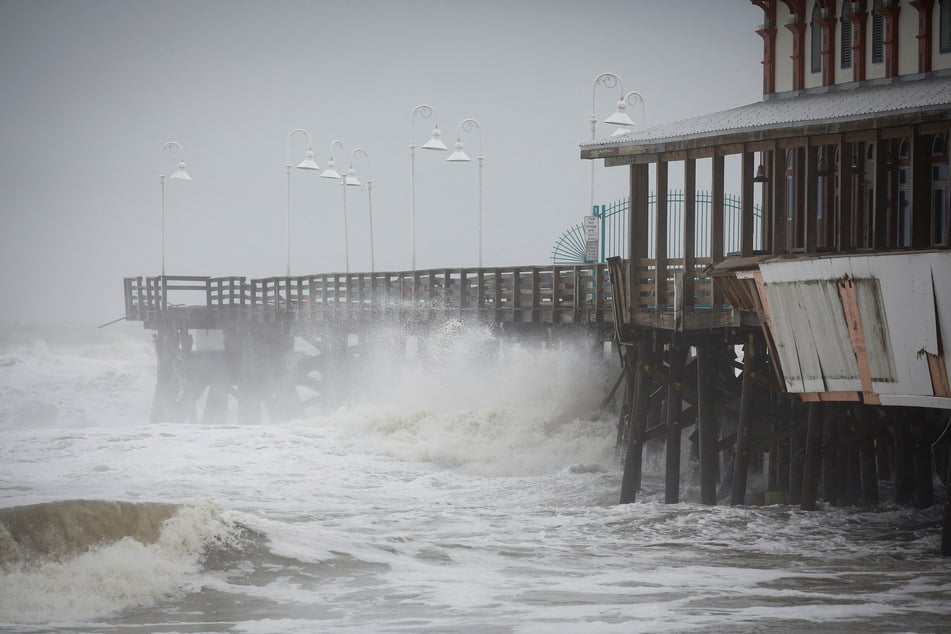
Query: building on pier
(845, 282)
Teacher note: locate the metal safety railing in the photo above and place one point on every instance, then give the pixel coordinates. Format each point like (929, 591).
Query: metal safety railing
(570, 247)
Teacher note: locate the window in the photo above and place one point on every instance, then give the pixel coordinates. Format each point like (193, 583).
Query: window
(945, 26)
(815, 33)
(878, 34)
(845, 37)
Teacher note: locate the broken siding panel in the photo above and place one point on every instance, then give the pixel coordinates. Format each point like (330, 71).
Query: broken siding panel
(828, 326)
(803, 335)
(904, 303)
(941, 287)
(907, 304)
(781, 317)
(875, 331)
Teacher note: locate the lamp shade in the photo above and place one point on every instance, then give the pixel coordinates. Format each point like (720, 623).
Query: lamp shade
(435, 141)
(458, 155)
(620, 116)
(331, 171)
(351, 178)
(180, 173)
(308, 162)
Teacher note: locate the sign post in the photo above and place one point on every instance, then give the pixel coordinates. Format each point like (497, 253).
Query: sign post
(591, 234)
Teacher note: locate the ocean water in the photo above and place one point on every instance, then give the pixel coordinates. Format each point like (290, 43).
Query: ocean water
(463, 492)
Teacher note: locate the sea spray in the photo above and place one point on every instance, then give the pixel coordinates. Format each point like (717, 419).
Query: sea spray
(471, 398)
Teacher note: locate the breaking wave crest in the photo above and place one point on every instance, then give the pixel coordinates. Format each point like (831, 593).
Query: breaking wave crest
(85, 559)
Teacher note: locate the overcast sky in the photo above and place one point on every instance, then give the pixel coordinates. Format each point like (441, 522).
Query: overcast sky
(92, 90)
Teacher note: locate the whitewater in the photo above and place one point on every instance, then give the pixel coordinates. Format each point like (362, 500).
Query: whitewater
(461, 492)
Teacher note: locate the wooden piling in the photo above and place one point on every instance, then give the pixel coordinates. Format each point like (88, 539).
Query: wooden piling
(924, 474)
(813, 457)
(830, 462)
(946, 525)
(744, 426)
(708, 431)
(675, 357)
(797, 443)
(867, 421)
(904, 467)
(631, 479)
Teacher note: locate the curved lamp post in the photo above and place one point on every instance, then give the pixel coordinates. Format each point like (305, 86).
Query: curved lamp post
(459, 155)
(619, 117)
(331, 172)
(307, 164)
(178, 174)
(352, 181)
(434, 143)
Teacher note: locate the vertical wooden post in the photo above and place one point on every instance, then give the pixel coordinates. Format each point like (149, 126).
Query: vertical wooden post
(746, 202)
(813, 459)
(880, 228)
(946, 524)
(830, 486)
(866, 417)
(843, 225)
(690, 231)
(810, 199)
(924, 476)
(660, 238)
(778, 207)
(675, 355)
(707, 422)
(744, 426)
(639, 230)
(904, 469)
(716, 225)
(631, 480)
(797, 443)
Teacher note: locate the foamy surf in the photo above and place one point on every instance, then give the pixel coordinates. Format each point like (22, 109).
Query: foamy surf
(80, 560)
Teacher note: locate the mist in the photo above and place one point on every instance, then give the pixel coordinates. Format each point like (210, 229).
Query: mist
(93, 90)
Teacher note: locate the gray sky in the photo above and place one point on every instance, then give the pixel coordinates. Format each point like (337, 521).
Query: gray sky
(92, 90)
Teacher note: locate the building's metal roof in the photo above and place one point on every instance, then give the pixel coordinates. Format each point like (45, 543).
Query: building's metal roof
(833, 105)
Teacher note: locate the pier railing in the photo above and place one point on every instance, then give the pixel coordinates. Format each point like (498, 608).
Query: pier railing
(551, 294)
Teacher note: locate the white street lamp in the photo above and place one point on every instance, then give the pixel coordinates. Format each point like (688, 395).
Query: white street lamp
(466, 125)
(619, 117)
(434, 143)
(178, 174)
(331, 172)
(353, 181)
(307, 164)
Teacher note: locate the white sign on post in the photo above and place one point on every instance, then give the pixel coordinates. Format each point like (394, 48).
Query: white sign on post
(591, 235)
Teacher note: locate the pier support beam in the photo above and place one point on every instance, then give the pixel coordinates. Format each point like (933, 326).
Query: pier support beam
(813, 458)
(631, 480)
(744, 426)
(797, 442)
(946, 527)
(708, 430)
(675, 356)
